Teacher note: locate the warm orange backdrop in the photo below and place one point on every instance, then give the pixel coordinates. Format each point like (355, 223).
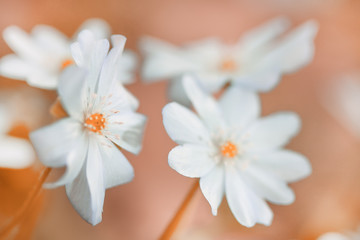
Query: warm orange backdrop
(328, 200)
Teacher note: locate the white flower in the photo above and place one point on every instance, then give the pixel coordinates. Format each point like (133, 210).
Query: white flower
(15, 152)
(41, 56)
(341, 236)
(342, 100)
(234, 152)
(255, 62)
(100, 116)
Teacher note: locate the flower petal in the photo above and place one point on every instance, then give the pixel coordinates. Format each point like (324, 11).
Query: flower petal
(74, 162)
(333, 236)
(72, 91)
(117, 169)
(296, 49)
(51, 39)
(53, 143)
(99, 28)
(126, 130)
(176, 92)
(163, 60)
(191, 160)
(247, 207)
(240, 107)
(42, 78)
(183, 126)
(287, 165)
(260, 78)
(262, 35)
(127, 66)
(212, 186)
(87, 192)
(12, 66)
(110, 70)
(22, 44)
(268, 186)
(204, 104)
(273, 131)
(15, 153)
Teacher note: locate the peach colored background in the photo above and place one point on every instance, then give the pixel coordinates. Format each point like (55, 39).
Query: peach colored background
(328, 200)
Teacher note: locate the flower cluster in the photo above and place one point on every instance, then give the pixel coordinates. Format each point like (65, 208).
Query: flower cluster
(227, 145)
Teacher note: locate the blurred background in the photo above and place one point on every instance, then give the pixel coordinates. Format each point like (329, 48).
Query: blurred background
(329, 200)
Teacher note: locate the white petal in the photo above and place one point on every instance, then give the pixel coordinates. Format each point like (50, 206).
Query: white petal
(260, 78)
(126, 130)
(87, 191)
(12, 66)
(127, 66)
(51, 39)
(151, 45)
(273, 131)
(110, 73)
(204, 104)
(287, 165)
(117, 169)
(247, 207)
(183, 126)
(99, 27)
(15, 153)
(177, 92)
(342, 101)
(263, 35)
(297, 49)
(239, 107)
(74, 162)
(213, 187)
(53, 143)
(163, 60)
(72, 91)
(268, 186)
(22, 44)
(191, 160)
(41, 78)
(333, 236)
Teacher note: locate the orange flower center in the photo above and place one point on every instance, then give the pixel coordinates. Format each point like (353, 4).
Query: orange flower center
(228, 65)
(229, 150)
(95, 123)
(66, 63)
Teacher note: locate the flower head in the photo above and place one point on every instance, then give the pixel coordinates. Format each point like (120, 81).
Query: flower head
(15, 152)
(41, 56)
(234, 152)
(255, 62)
(101, 117)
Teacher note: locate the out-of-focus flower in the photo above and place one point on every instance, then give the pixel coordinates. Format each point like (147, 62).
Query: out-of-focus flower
(340, 236)
(101, 114)
(234, 152)
(255, 62)
(342, 101)
(15, 152)
(41, 56)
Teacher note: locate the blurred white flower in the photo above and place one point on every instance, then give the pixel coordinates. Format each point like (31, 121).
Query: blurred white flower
(255, 62)
(15, 152)
(41, 56)
(342, 101)
(101, 114)
(341, 236)
(234, 152)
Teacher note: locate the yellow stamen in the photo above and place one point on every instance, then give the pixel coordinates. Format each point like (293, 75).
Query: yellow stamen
(66, 63)
(95, 123)
(228, 65)
(229, 150)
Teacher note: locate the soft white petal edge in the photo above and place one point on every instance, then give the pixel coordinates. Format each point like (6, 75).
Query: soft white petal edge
(15, 153)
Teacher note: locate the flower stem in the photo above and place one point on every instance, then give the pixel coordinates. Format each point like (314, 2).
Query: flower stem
(26, 205)
(175, 222)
